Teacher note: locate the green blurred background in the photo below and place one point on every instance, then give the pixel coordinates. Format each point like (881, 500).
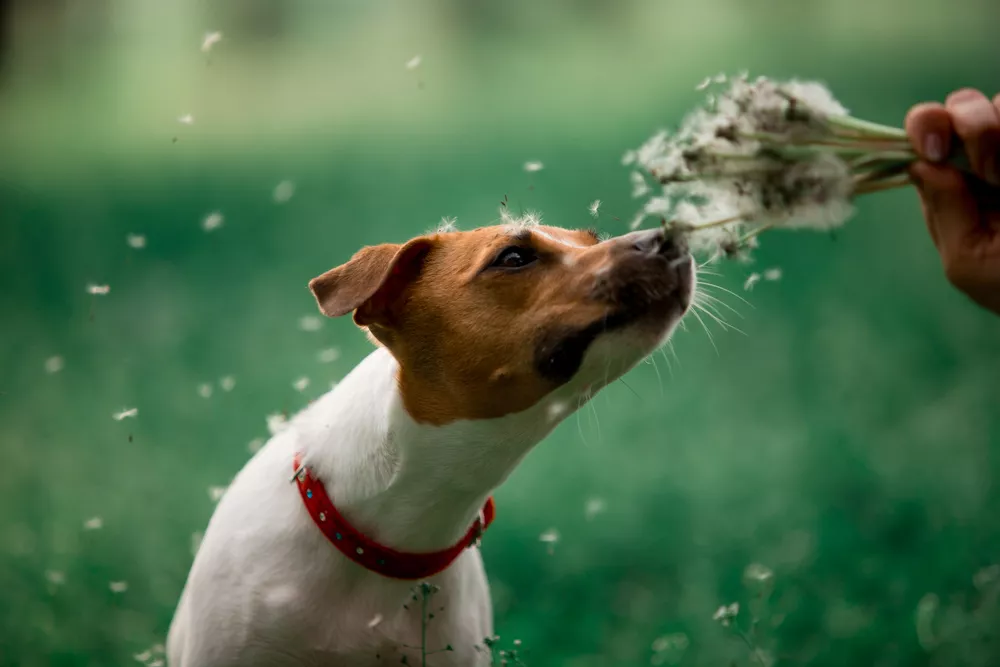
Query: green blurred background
(849, 442)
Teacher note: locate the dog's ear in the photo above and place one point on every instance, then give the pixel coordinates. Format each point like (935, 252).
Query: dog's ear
(371, 281)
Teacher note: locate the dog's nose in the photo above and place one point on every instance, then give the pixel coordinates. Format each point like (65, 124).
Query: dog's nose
(656, 242)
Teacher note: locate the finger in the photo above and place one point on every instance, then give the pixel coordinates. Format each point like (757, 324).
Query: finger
(949, 208)
(977, 123)
(929, 127)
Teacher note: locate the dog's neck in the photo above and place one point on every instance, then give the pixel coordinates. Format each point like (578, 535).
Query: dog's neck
(410, 486)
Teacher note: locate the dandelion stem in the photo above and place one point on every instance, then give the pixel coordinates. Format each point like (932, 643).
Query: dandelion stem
(866, 128)
(883, 185)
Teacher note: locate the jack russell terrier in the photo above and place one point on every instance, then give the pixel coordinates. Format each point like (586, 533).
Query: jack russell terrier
(485, 341)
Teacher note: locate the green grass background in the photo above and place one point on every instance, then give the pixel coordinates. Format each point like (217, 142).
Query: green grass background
(849, 441)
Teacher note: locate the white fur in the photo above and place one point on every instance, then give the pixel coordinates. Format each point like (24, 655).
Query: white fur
(266, 588)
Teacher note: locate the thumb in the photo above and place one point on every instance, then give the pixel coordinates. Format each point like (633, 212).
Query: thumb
(949, 206)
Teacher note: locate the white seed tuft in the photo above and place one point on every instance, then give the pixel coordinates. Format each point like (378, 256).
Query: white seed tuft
(209, 40)
(54, 364)
(125, 414)
(212, 221)
(533, 166)
(136, 241)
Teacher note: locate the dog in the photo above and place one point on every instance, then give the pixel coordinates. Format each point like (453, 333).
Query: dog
(327, 545)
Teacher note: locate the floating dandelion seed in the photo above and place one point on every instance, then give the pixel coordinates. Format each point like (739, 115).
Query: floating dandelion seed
(118, 586)
(310, 323)
(593, 507)
(125, 414)
(640, 188)
(594, 206)
(557, 410)
(414, 62)
(98, 289)
(533, 166)
(751, 280)
(276, 423)
(254, 445)
(186, 119)
(196, 539)
(376, 619)
(54, 364)
(725, 614)
(143, 657)
(216, 493)
(205, 390)
(136, 241)
(447, 225)
(772, 274)
(212, 221)
(227, 383)
(329, 355)
(628, 157)
(93, 523)
(550, 536)
(55, 577)
(210, 40)
(301, 384)
(284, 191)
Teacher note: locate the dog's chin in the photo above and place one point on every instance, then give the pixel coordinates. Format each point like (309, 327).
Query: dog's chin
(609, 347)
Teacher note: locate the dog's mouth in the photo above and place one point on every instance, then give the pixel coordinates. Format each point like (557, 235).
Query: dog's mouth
(653, 301)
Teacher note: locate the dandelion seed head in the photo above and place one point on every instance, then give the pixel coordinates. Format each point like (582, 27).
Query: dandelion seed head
(639, 186)
(136, 241)
(98, 289)
(125, 414)
(212, 221)
(283, 191)
(533, 166)
(54, 364)
(209, 40)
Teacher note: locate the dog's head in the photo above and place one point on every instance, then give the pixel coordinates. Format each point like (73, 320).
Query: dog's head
(488, 322)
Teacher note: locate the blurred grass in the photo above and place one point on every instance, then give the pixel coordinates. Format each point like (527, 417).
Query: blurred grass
(848, 441)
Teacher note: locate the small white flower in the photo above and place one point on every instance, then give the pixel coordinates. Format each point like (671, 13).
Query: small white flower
(186, 119)
(329, 355)
(118, 586)
(227, 383)
(751, 280)
(137, 241)
(210, 40)
(550, 536)
(216, 493)
(254, 445)
(212, 221)
(55, 577)
(98, 289)
(533, 166)
(414, 62)
(310, 323)
(772, 274)
(376, 619)
(301, 384)
(54, 364)
(205, 390)
(125, 414)
(276, 422)
(593, 507)
(594, 207)
(93, 523)
(284, 191)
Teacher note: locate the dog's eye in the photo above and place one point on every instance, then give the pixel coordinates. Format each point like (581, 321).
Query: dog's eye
(514, 258)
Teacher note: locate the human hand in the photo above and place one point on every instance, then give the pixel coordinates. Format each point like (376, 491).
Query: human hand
(962, 210)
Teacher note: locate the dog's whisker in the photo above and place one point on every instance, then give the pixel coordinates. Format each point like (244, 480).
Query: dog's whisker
(727, 291)
(711, 339)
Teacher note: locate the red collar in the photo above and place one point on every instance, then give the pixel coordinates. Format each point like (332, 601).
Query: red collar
(370, 554)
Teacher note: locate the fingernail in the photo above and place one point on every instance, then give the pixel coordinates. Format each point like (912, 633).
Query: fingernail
(934, 147)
